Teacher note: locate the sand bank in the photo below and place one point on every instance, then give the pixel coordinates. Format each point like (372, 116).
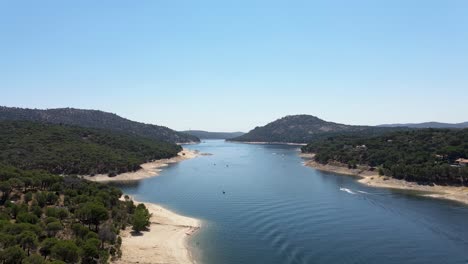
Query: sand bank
(164, 242)
(372, 178)
(147, 170)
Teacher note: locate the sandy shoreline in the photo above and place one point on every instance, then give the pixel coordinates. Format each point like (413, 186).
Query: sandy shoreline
(147, 170)
(164, 242)
(372, 178)
(267, 143)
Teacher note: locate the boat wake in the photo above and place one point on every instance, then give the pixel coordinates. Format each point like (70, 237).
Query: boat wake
(347, 190)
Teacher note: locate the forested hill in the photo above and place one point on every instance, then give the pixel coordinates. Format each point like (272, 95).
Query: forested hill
(213, 135)
(303, 129)
(95, 119)
(429, 125)
(63, 149)
(425, 155)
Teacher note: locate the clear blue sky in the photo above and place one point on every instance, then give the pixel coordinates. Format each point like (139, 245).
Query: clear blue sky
(233, 66)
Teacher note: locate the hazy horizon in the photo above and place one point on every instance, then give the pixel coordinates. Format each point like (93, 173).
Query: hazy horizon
(231, 67)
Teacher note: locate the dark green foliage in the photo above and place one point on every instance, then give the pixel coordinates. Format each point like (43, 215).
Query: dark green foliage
(12, 255)
(5, 188)
(95, 119)
(62, 213)
(63, 149)
(425, 156)
(304, 129)
(90, 250)
(25, 217)
(75, 226)
(92, 213)
(41, 199)
(141, 218)
(27, 240)
(80, 230)
(34, 259)
(28, 196)
(36, 210)
(49, 218)
(46, 246)
(66, 251)
(53, 228)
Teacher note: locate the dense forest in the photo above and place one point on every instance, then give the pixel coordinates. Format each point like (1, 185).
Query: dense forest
(304, 129)
(95, 119)
(62, 149)
(45, 218)
(426, 156)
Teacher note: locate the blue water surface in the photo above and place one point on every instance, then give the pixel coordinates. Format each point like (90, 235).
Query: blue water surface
(277, 211)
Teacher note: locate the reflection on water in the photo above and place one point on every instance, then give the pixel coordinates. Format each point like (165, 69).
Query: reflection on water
(274, 210)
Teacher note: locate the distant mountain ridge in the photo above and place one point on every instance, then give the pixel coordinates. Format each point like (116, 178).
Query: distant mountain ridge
(304, 129)
(428, 125)
(95, 119)
(213, 135)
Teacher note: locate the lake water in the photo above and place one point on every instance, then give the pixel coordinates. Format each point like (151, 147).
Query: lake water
(275, 210)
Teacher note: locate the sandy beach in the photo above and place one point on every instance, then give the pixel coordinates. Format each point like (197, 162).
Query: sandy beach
(372, 178)
(147, 170)
(164, 242)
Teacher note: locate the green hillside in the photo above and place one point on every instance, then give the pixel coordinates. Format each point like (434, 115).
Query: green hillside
(425, 156)
(62, 149)
(304, 129)
(95, 119)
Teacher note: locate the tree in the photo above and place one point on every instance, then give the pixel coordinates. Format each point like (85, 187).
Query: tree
(28, 241)
(5, 188)
(16, 183)
(41, 199)
(53, 228)
(381, 171)
(36, 210)
(66, 251)
(47, 245)
(28, 197)
(25, 217)
(17, 210)
(12, 255)
(80, 230)
(51, 212)
(6, 240)
(51, 198)
(62, 213)
(141, 218)
(106, 234)
(92, 213)
(90, 250)
(33, 259)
